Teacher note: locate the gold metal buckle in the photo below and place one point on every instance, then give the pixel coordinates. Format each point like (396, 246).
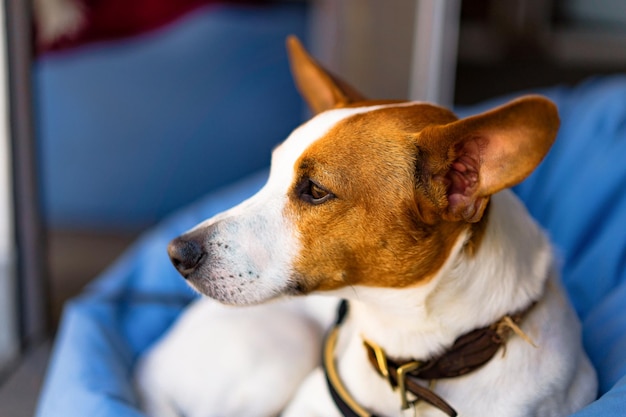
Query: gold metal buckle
(381, 360)
(402, 372)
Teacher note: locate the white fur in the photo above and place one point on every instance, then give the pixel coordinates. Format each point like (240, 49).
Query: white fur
(254, 239)
(233, 362)
(553, 379)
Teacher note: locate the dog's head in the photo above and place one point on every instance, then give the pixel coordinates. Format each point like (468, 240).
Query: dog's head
(365, 193)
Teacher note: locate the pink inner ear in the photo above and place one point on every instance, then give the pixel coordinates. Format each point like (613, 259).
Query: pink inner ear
(463, 176)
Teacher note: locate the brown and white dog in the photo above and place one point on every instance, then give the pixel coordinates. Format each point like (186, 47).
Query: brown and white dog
(402, 209)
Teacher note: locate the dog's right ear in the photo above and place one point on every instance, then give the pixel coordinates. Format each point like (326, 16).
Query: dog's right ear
(319, 88)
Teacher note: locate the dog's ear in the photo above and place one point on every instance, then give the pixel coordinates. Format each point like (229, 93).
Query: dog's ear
(319, 88)
(476, 157)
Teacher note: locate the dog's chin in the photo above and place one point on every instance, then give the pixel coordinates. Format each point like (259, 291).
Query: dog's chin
(237, 292)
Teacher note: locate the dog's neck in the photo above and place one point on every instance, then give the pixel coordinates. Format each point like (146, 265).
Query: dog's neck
(505, 274)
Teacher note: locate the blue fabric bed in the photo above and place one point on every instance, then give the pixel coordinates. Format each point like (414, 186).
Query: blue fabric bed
(578, 194)
(127, 128)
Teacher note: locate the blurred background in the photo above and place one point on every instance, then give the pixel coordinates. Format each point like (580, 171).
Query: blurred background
(117, 112)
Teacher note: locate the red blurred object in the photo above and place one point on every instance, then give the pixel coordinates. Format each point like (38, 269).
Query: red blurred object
(115, 19)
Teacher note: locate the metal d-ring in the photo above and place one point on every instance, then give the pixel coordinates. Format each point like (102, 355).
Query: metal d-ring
(402, 372)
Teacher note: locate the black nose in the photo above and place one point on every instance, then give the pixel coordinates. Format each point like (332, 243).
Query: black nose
(186, 255)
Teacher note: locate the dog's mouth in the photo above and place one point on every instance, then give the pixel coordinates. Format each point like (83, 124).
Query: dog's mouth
(245, 287)
(238, 260)
(295, 288)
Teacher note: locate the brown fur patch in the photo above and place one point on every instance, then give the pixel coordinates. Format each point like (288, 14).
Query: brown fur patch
(383, 228)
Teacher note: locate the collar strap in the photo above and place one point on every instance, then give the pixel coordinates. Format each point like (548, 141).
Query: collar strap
(346, 404)
(468, 353)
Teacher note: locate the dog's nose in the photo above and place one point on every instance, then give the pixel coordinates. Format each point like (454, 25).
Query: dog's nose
(185, 254)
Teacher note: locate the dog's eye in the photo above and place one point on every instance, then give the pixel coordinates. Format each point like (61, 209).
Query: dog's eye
(314, 193)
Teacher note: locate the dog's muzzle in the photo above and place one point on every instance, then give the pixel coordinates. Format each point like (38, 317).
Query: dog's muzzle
(186, 254)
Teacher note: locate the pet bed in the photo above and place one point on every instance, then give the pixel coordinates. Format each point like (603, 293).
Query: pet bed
(577, 194)
(127, 127)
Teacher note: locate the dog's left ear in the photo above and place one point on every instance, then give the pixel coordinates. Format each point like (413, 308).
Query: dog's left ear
(319, 88)
(473, 158)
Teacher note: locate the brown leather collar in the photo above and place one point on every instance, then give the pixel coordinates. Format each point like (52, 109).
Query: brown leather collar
(468, 353)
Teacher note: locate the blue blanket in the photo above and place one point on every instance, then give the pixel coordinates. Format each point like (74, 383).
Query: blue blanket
(577, 194)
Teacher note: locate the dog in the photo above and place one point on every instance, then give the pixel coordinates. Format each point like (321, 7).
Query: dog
(452, 303)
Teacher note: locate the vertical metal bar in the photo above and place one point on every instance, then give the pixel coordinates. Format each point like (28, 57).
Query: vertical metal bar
(31, 259)
(433, 67)
(9, 341)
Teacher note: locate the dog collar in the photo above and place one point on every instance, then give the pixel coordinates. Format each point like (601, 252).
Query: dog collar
(468, 353)
(346, 404)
